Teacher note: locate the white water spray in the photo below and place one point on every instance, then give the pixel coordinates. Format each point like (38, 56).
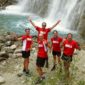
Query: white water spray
(57, 9)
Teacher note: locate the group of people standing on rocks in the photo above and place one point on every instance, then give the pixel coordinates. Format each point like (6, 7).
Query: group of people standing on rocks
(55, 46)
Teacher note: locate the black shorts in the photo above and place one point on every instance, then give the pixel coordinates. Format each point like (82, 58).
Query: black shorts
(66, 58)
(40, 62)
(56, 53)
(25, 54)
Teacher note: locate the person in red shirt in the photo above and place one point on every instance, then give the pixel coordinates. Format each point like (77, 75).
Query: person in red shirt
(56, 48)
(43, 30)
(69, 45)
(26, 48)
(41, 57)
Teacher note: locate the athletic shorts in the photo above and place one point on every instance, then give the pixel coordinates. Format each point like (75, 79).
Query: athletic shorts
(25, 54)
(66, 58)
(40, 62)
(56, 53)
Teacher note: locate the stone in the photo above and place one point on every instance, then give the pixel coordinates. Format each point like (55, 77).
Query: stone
(3, 56)
(7, 49)
(3, 52)
(10, 55)
(2, 39)
(18, 50)
(17, 55)
(2, 80)
(3, 63)
(8, 37)
(13, 47)
(1, 44)
(5, 3)
(8, 43)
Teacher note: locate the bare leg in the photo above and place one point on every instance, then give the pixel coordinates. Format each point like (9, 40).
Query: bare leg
(54, 65)
(54, 59)
(26, 64)
(39, 70)
(41, 76)
(66, 67)
(59, 61)
(60, 64)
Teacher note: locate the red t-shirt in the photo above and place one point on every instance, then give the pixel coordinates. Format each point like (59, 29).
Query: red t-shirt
(69, 47)
(42, 49)
(56, 43)
(27, 42)
(44, 32)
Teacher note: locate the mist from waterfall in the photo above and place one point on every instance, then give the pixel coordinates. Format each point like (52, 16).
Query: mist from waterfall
(50, 10)
(36, 7)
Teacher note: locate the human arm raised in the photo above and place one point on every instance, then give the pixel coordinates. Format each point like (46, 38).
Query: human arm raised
(32, 22)
(55, 24)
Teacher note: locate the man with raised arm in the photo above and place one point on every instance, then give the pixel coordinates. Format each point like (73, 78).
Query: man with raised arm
(43, 30)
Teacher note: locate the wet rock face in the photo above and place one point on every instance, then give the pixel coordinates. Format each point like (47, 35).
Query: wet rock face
(3, 56)
(81, 28)
(7, 2)
(7, 46)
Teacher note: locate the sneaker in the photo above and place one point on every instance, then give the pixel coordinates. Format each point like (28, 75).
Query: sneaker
(53, 68)
(39, 80)
(27, 73)
(24, 72)
(21, 74)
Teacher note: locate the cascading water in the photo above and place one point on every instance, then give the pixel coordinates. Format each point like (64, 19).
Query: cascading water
(15, 9)
(27, 6)
(51, 10)
(61, 9)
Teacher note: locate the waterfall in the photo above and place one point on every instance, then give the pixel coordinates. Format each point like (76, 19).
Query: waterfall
(61, 9)
(51, 10)
(16, 8)
(38, 7)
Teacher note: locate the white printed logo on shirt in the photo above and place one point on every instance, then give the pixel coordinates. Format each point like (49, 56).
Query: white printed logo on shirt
(29, 39)
(40, 45)
(41, 32)
(69, 46)
(55, 42)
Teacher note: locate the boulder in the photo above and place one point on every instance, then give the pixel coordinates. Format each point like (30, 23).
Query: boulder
(2, 80)
(4, 3)
(3, 56)
(2, 39)
(11, 36)
(1, 44)
(8, 37)
(17, 55)
(18, 50)
(8, 43)
(13, 47)
(7, 49)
